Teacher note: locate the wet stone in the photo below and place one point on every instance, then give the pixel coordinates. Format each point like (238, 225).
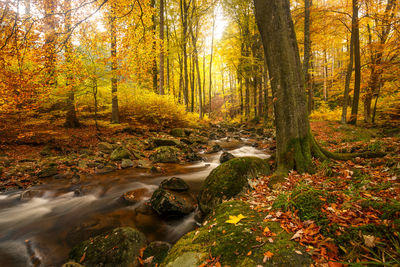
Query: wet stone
(175, 184)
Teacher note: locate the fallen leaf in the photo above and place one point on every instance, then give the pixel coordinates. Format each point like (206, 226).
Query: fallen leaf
(298, 234)
(83, 257)
(267, 256)
(235, 219)
(369, 241)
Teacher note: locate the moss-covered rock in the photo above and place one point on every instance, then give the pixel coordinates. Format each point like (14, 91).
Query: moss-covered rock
(158, 250)
(226, 156)
(174, 184)
(120, 153)
(178, 132)
(72, 264)
(165, 142)
(229, 179)
(105, 147)
(121, 247)
(233, 243)
(165, 154)
(171, 204)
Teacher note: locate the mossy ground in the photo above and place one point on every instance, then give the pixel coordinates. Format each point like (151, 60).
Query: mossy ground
(344, 204)
(243, 244)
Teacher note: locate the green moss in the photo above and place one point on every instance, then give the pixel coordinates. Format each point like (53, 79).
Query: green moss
(388, 211)
(120, 247)
(232, 243)
(165, 154)
(229, 179)
(306, 200)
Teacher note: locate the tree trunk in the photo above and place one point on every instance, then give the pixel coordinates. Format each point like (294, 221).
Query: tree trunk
(162, 47)
(50, 44)
(357, 65)
(114, 66)
(184, 18)
(293, 134)
(154, 68)
(307, 51)
(71, 121)
(348, 77)
(211, 62)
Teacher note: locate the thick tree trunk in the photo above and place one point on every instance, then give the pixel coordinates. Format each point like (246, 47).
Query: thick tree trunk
(357, 65)
(114, 66)
(293, 134)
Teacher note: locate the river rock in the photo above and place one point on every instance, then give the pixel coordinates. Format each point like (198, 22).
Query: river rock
(46, 151)
(165, 154)
(120, 153)
(121, 247)
(48, 171)
(215, 149)
(170, 204)
(174, 184)
(127, 163)
(144, 164)
(30, 193)
(72, 264)
(165, 142)
(177, 132)
(105, 147)
(155, 253)
(226, 156)
(229, 179)
(233, 242)
(135, 196)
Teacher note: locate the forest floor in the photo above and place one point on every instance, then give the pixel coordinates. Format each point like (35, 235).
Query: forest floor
(345, 211)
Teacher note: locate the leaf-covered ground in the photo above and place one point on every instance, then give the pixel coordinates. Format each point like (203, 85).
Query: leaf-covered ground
(347, 211)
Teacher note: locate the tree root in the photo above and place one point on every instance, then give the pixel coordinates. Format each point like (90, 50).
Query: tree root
(323, 154)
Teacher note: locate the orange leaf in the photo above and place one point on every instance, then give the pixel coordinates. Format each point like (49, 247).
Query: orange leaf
(83, 257)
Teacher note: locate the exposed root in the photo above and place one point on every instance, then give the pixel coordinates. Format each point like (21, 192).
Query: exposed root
(323, 154)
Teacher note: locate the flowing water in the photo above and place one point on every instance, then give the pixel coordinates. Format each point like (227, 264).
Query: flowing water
(61, 215)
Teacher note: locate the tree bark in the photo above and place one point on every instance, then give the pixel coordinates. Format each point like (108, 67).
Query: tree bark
(307, 51)
(357, 65)
(348, 77)
(184, 7)
(211, 62)
(293, 134)
(114, 65)
(162, 47)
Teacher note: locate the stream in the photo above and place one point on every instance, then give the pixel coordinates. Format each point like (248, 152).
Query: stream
(61, 215)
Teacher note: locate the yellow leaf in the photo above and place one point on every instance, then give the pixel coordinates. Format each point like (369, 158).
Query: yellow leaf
(266, 230)
(235, 219)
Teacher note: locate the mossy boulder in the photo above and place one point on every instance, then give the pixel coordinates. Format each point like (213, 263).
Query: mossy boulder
(120, 247)
(229, 179)
(48, 171)
(174, 184)
(158, 250)
(165, 142)
(105, 147)
(72, 264)
(177, 132)
(233, 243)
(165, 154)
(170, 204)
(120, 153)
